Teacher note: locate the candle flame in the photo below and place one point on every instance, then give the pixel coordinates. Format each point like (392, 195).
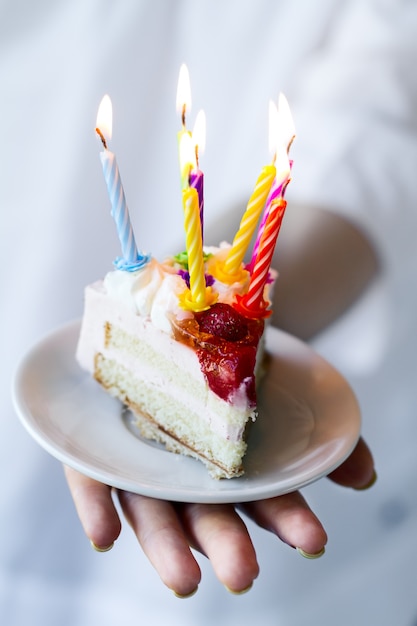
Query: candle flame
(281, 126)
(199, 134)
(187, 157)
(283, 168)
(104, 120)
(286, 132)
(183, 92)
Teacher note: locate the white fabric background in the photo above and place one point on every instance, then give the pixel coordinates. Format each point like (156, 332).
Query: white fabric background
(348, 70)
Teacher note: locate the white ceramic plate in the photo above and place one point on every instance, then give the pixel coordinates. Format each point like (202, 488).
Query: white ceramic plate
(308, 424)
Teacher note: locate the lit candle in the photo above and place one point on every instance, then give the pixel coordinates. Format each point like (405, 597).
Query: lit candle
(190, 173)
(253, 304)
(281, 136)
(196, 175)
(131, 259)
(194, 246)
(198, 297)
(231, 270)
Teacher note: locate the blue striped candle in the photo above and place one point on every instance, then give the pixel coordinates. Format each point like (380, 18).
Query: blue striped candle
(131, 259)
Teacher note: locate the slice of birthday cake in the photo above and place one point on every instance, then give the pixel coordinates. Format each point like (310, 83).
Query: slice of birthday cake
(188, 376)
(181, 343)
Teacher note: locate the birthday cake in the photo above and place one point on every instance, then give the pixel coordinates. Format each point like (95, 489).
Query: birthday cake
(181, 343)
(189, 377)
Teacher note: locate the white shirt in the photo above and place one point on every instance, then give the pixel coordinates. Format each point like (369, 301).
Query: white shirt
(347, 69)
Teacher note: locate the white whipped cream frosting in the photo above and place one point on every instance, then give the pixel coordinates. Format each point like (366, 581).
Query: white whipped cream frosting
(153, 291)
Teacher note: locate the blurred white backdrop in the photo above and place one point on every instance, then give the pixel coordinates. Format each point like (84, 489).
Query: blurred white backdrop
(347, 69)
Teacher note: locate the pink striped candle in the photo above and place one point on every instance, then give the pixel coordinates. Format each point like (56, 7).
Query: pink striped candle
(253, 304)
(277, 191)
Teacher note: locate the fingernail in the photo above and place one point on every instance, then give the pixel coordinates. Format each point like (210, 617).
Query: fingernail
(368, 484)
(241, 592)
(185, 596)
(308, 555)
(101, 548)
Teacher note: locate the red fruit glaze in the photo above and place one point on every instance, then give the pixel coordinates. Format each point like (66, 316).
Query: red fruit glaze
(226, 344)
(222, 320)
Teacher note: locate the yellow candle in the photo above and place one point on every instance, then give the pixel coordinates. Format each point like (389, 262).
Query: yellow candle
(199, 297)
(249, 220)
(194, 245)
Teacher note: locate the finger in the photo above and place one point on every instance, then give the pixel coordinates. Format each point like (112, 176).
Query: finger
(160, 533)
(291, 519)
(95, 508)
(358, 470)
(220, 533)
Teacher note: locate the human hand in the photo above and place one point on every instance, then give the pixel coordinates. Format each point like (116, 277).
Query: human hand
(167, 530)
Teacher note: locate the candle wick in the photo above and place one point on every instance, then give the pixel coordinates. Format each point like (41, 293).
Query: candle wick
(290, 144)
(103, 140)
(196, 155)
(190, 167)
(183, 112)
(284, 187)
